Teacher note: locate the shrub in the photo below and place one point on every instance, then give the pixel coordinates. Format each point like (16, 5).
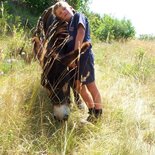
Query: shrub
(147, 37)
(39, 5)
(108, 28)
(5, 18)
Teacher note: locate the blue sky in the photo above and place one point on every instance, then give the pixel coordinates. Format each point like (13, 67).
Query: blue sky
(141, 13)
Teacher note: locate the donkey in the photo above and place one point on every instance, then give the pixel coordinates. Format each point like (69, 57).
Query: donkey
(49, 45)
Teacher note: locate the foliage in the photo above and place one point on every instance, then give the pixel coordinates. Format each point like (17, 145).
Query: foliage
(16, 47)
(123, 29)
(11, 17)
(95, 21)
(5, 18)
(127, 126)
(13, 27)
(107, 28)
(105, 31)
(81, 5)
(104, 28)
(125, 75)
(39, 5)
(139, 69)
(147, 37)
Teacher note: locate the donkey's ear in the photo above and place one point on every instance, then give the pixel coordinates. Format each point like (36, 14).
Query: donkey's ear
(72, 56)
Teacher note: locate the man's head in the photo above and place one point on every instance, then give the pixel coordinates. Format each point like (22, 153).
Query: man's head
(63, 11)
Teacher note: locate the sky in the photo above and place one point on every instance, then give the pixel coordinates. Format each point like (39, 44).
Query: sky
(141, 13)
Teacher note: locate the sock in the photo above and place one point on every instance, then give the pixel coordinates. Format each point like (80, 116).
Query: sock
(97, 112)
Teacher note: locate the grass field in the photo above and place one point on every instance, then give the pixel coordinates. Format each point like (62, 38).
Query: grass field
(125, 75)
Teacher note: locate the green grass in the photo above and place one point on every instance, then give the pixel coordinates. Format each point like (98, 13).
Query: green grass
(125, 76)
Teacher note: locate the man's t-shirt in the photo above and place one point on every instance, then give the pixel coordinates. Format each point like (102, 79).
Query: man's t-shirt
(77, 19)
(86, 64)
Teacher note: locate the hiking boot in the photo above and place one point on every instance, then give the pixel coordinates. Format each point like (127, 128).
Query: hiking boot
(91, 116)
(94, 114)
(97, 113)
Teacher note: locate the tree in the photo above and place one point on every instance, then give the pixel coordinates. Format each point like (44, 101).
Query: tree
(108, 28)
(39, 5)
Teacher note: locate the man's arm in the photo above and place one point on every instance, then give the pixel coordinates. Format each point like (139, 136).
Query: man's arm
(80, 36)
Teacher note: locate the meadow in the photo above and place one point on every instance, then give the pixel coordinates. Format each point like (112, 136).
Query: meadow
(125, 75)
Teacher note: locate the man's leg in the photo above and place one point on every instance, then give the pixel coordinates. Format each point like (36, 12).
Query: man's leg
(82, 89)
(78, 100)
(95, 94)
(96, 98)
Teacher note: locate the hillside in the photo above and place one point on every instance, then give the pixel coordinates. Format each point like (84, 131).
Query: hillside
(125, 76)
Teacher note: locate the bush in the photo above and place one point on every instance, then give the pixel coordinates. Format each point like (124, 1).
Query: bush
(123, 30)
(108, 28)
(147, 37)
(39, 5)
(5, 18)
(11, 17)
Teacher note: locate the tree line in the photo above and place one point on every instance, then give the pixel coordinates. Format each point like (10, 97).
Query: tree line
(24, 13)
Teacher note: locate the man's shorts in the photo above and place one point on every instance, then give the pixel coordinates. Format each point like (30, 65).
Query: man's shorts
(85, 71)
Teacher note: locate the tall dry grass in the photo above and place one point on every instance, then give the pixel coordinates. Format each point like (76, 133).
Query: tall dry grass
(125, 76)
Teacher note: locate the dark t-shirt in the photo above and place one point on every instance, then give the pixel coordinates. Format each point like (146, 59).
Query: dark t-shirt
(86, 64)
(77, 19)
